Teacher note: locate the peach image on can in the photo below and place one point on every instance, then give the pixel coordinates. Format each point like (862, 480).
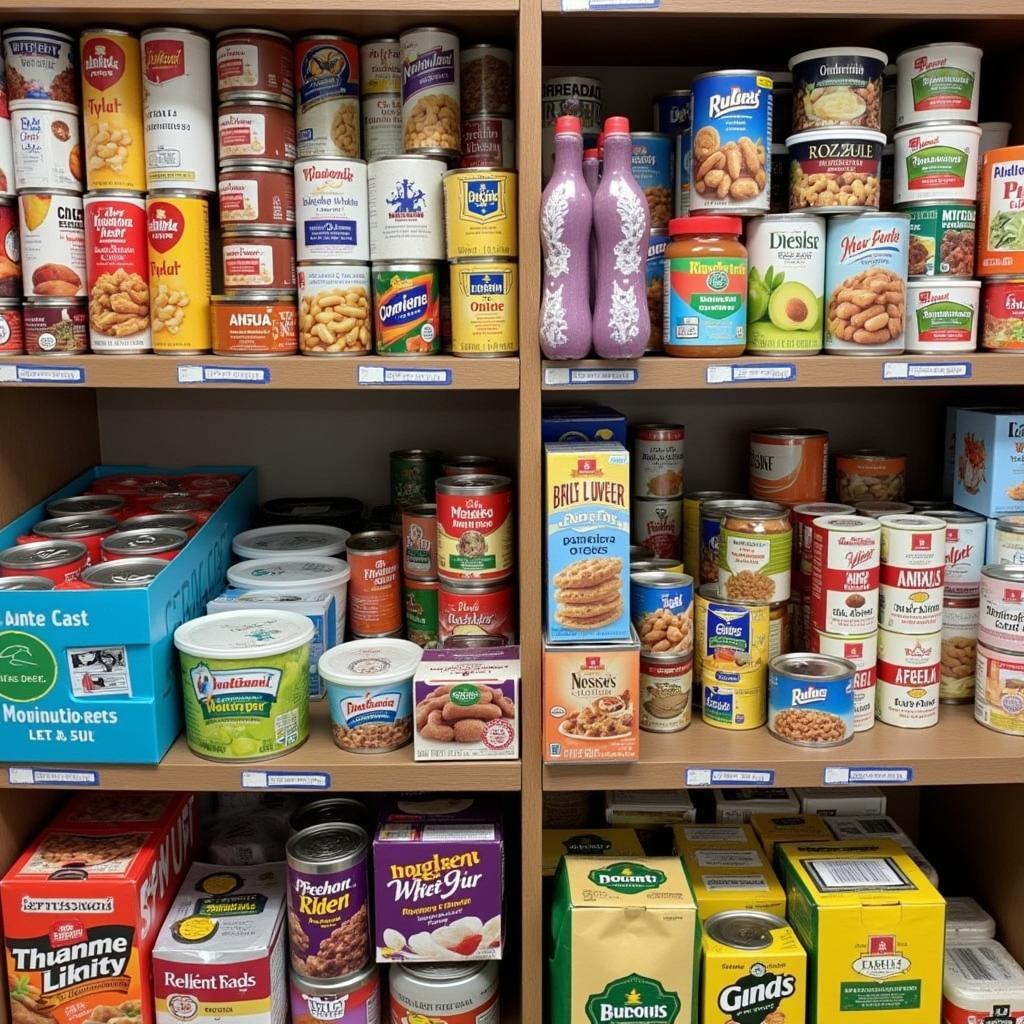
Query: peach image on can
(788, 465)
(375, 588)
(912, 573)
(844, 574)
(909, 678)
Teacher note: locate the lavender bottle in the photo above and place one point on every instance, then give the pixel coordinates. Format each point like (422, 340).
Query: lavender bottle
(566, 211)
(592, 175)
(622, 222)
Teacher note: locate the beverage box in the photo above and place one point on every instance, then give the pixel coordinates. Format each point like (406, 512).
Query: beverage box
(82, 907)
(988, 471)
(48, 715)
(577, 423)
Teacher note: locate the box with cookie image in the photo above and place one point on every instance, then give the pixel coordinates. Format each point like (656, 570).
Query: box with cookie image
(587, 538)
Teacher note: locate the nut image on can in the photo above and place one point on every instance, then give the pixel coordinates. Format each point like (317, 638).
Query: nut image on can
(657, 460)
(909, 671)
(480, 213)
(810, 699)
(421, 611)
(257, 129)
(117, 272)
(256, 192)
(419, 541)
(755, 552)
(382, 125)
(177, 110)
(912, 574)
(488, 141)
(651, 164)
(657, 525)
(662, 611)
(375, 589)
(999, 691)
(334, 308)
(1001, 609)
(41, 64)
(474, 528)
(413, 473)
(942, 238)
(666, 689)
(10, 247)
(942, 316)
(380, 67)
(254, 60)
(406, 304)
(52, 228)
(788, 465)
(406, 203)
(870, 475)
(56, 326)
(254, 323)
(965, 552)
(431, 113)
(112, 110)
(46, 151)
(835, 170)
(12, 329)
(475, 609)
(485, 307)
(180, 278)
(258, 257)
(327, 88)
(331, 221)
(862, 651)
(845, 554)
(959, 650)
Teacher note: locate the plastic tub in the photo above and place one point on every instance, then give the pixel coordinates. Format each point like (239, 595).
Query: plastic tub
(938, 160)
(937, 82)
(310, 540)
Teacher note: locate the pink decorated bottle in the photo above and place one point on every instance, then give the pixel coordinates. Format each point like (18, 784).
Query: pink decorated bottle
(566, 211)
(622, 223)
(592, 176)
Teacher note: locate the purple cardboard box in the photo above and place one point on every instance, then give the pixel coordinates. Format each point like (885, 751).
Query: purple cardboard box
(438, 886)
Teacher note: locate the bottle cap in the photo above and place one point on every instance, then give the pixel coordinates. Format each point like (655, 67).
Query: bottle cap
(616, 126)
(591, 154)
(710, 225)
(568, 124)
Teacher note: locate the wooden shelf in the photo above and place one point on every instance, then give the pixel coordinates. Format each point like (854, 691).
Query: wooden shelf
(663, 373)
(283, 372)
(958, 751)
(805, 8)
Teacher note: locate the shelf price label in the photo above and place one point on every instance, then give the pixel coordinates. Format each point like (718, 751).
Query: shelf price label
(866, 775)
(19, 373)
(700, 777)
(575, 6)
(390, 376)
(904, 371)
(750, 373)
(190, 374)
(583, 377)
(286, 780)
(58, 777)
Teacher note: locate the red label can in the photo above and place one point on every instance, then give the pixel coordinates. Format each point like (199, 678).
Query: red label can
(10, 251)
(12, 330)
(162, 543)
(1003, 309)
(474, 527)
(845, 553)
(61, 561)
(88, 530)
(375, 588)
(489, 141)
(476, 609)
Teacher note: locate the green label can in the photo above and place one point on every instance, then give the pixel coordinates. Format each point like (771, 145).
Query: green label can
(421, 612)
(942, 239)
(413, 473)
(407, 308)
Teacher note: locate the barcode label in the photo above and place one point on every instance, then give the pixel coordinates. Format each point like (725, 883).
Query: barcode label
(978, 963)
(735, 883)
(728, 859)
(869, 873)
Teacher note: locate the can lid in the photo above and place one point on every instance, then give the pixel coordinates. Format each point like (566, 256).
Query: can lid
(838, 51)
(712, 225)
(443, 972)
(615, 126)
(160, 521)
(43, 554)
(83, 504)
(325, 845)
(242, 633)
(145, 541)
(743, 929)
(299, 539)
(294, 570)
(26, 583)
(568, 124)
(85, 525)
(371, 662)
(124, 572)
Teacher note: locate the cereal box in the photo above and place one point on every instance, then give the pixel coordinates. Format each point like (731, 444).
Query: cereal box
(692, 836)
(590, 702)
(587, 505)
(583, 842)
(873, 927)
(81, 910)
(988, 471)
(717, 890)
(626, 942)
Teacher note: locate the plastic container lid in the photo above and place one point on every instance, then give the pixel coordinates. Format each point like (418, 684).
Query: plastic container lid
(838, 51)
(713, 225)
(568, 124)
(243, 634)
(979, 973)
(615, 126)
(370, 662)
(312, 540)
(966, 918)
(293, 571)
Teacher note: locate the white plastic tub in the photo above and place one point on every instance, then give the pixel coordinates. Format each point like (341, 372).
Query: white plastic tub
(938, 82)
(313, 541)
(936, 161)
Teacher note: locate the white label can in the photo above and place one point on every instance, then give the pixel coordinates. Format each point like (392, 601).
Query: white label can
(382, 126)
(909, 673)
(998, 691)
(959, 650)
(1009, 541)
(844, 574)
(431, 111)
(380, 67)
(52, 228)
(406, 209)
(863, 652)
(47, 154)
(965, 552)
(1001, 611)
(912, 574)
(331, 221)
(178, 110)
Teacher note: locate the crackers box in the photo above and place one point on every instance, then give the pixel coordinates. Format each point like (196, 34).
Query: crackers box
(735, 806)
(591, 694)
(557, 843)
(988, 472)
(587, 530)
(575, 423)
(693, 836)
(873, 927)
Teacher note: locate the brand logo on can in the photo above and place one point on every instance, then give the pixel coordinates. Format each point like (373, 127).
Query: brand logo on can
(103, 63)
(166, 226)
(735, 99)
(164, 60)
(114, 221)
(407, 201)
(488, 284)
(438, 63)
(325, 68)
(407, 307)
(483, 196)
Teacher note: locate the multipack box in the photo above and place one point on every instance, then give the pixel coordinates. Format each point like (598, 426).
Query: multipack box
(625, 940)
(735, 806)
(557, 843)
(873, 927)
(82, 907)
(989, 463)
(576, 423)
(223, 946)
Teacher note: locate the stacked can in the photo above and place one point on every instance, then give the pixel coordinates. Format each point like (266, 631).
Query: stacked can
(936, 160)
(488, 90)
(803, 517)
(672, 111)
(657, 159)
(431, 92)
(692, 505)
(998, 694)
(910, 607)
(380, 62)
(482, 246)
(657, 463)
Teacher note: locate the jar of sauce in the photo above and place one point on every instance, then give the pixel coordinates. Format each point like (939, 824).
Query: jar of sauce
(705, 288)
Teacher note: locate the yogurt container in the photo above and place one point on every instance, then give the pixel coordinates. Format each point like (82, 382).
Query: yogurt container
(313, 541)
(936, 161)
(937, 82)
(245, 684)
(942, 316)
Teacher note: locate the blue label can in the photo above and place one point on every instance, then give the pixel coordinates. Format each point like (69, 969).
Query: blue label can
(810, 699)
(653, 155)
(672, 112)
(661, 605)
(731, 142)
(656, 290)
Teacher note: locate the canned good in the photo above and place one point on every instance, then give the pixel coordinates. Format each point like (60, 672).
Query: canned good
(835, 169)
(712, 513)
(937, 82)
(912, 574)
(480, 213)
(672, 112)
(188, 524)
(12, 328)
(734, 639)
(258, 257)
(651, 164)
(471, 608)
(406, 305)
(431, 112)
(657, 460)
(10, 246)
(473, 642)
(657, 523)
(59, 561)
(52, 228)
(1003, 314)
(942, 238)
(488, 75)
(738, 706)
(86, 504)
(422, 598)
(89, 529)
(862, 651)
(330, 810)
(485, 307)
(331, 219)
(959, 650)
(254, 61)
(965, 552)
(177, 110)
(803, 517)
(1008, 541)
(249, 127)
(666, 688)
(645, 563)
(788, 465)
(405, 202)
(444, 993)
(382, 125)
(41, 65)
(755, 552)
(474, 528)
(907, 693)
(942, 316)
(180, 278)
(163, 543)
(461, 465)
(353, 999)
(375, 589)
(256, 192)
(327, 87)
(1001, 610)
(419, 540)
(488, 141)
(654, 279)
(810, 699)
(838, 86)
(692, 531)
(413, 472)
(256, 323)
(998, 694)
(55, 326)
(578, 96)
(123, 573)
(661, 606)
(845, 553)
(47, 154)
(870, 475)
(380, 64)
(334, 308)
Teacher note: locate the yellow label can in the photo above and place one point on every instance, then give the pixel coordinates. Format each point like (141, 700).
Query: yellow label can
(180, 280)
(480, 213)
(485, 307)
(115, 157)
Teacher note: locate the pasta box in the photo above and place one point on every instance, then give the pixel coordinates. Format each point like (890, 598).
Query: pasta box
(988, 468)
(90, 676)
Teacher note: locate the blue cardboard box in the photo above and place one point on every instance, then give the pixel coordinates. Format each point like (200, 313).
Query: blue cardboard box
(55, 644)
(988, 473)
(582, 423)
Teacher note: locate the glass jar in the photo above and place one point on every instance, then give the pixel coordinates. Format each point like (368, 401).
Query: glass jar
(705, 288)
(755, 551)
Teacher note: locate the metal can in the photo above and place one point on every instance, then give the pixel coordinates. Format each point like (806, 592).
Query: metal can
(353, 999)
(330, 810)
(52, 228)
(788, 465)
(877, 509)
(959, 649)
(735, 640)
(942, 316)
(47, 154)
(419, 541)
(444, 993)
(755, 552)
(89, 529)
(645, 562)
(998, 694)
(86, 504)
(736, 706)
(682, 172)
(406, 306)
(1001, 609)
(845, 552)
(254, 323)
(41, 65)
(375, 589)
(188, 524)
(12, 328)
(672, 111)
(810, 699)
(866, 273)
(942, 236)
(965, 551)
(472, 642)
(115, 155)
(56, 326)
(380, 65)
(460, 465)
(692, 530)
(802, 517)
(912, 574)
(413, 472)
(488, 75)
(1003, 314)
(936, 160)
(117, 272)
(328, 890)
(180, 278)
(474, 528)
(256, 192)
(335, 317)
(257, 61)
(862, 651)
(331, 218)
(472, 608)
(666, 692)
(327, 88)
(652, 169)
(163, 544)
(485, 307)
(731, 107)
(661, 606)
(654, 280)
(421, 611)
(657, 523)
(657, 460)
(870, 475)
(251, 127)
(712, 513)
(60, 561)
(382, 125)
(10, 246)
(258, 257)
(431, 112)
(488, 140)
(480, 213)
(177, 110)
(405, 202)
(909, 672)
(835, 169)
(124, 573)
(1008, 541)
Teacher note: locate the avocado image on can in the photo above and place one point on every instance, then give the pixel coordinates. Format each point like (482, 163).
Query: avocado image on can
(245, 683)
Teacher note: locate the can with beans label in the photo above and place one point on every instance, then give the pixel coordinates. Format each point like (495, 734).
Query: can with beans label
(12, 330)
(912, 573)
(959, 650)
(657, 523)
(965, 552)
(380, 67)
(788, 465)
(406, 304)
(870, 475)
(112, 110)
(52, 227)
(431, 93)
(422, 599)
(474, 608)
(810, 699)
(485, 306)
(47, 154)
(406, 208)
(419, 541)
(652, 168)
(474, 528)
(999, 691)
(331, 213)
(1001, 609)
(736, 706)
(327, 94)
(382, 125)
(480, 213)
(845, 574)
(335, 315)
(489, 140)
(862, 651)
(657, 460)
(375, 588)
(755, 552)
(666, 692)
(256, 192)
(909, 671)
(661, 605)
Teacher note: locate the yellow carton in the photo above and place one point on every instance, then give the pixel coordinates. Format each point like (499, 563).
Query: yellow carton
(873, 926)
(712, 835)
(742, 859)
(586, 842)
(721, 889)
(772, 829)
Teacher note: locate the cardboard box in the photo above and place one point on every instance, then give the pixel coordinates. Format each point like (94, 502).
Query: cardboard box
(625, 936)
(576, 423)
(720, 889)
(648, 807)
(882, 828)
(772, 829)
(711, 836)
(587, 536)
(873, 927)
(989, 469)
(724, 858)
(463, 681)
(591, 695)
(735, 806)
(845, 801)
(594, 842)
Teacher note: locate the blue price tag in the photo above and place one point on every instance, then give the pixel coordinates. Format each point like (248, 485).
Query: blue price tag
(190, 374)
(866, 775)
(285, 780)
(55, 777)
(19, 373)
(750, 373)
(905, 371)
(730, 777)
(389, 376)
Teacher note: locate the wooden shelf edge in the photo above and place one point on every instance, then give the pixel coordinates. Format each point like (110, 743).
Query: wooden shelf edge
(264, 7)
(803, 8)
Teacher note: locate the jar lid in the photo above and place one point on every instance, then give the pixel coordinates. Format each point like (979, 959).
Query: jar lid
(237, 634)
(370, 662)
(568, 124)
(713, 225)
(297, 570)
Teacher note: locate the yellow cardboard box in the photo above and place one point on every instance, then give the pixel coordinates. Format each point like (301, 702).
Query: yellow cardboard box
(724, 858)
(720, 889)
(874, 928)
(772, 829)
(557, 843)
(712, 835)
